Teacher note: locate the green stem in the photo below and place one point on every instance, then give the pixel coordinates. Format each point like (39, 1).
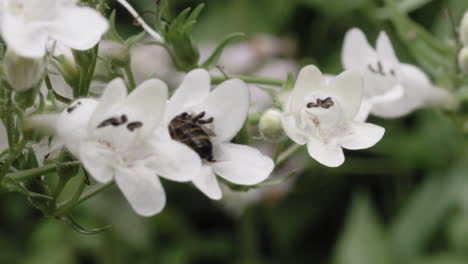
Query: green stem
(9, 122)
(248, 79)
(36, 172)
(94, 192)
(131, 79)
(74, 200)
(287, 153)
(15, 152)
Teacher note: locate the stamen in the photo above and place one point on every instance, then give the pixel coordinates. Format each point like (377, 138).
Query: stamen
(134, 125)
(325, 103)
(72, 108)
(113, 121)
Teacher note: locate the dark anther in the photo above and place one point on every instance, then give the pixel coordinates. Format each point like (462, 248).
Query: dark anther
(73, 107)
(380, 70)
(134, 125)
(392, 72)
(113, 121)
(325, 103)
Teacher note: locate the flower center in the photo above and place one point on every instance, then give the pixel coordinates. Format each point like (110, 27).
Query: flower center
(380, 69)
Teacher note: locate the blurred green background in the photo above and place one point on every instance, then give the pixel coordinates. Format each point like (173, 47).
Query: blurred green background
(403, 201)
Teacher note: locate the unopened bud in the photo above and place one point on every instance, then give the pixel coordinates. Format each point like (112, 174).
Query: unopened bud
(69, 70)
(463, 60)
(22, 73)
(270, 125)
(117, 53)
(464, 29)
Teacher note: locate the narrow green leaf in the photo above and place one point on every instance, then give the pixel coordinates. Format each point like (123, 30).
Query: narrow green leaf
(425, 210)
(214, 57)
(362, 241)
(78, 228)
(112, 34)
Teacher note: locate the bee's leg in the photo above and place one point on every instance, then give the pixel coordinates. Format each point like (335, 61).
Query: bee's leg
(198, 117)
(205, 121)
(210, 159)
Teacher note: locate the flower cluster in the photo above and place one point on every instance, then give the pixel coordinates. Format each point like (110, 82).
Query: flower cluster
(126, 130)
(136, 138)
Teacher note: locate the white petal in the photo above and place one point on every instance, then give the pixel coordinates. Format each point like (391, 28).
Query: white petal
(114, 94)
(146, 104)
(98, 161)
(207, 183)
(228, 104)
(174, 161)
(26, 39)
(194, 88)
(142, 189)
(241, 164)
(3, 137)
(362, 136)
(329, 154)
(309, 79)
(292, 131)
(356, 50)
(78, 27)
(348, 88)
(364, 111)
(385, 49)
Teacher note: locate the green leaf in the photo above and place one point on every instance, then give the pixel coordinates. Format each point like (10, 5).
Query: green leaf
(135, 39)
(78, 228)
(112, 34)
(214, 57)
(362, 241)
(425, 210)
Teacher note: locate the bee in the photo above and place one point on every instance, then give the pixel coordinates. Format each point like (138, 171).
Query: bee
(189, 130)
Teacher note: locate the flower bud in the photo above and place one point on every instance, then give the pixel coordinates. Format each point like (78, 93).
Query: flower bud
(270, 125)
(69, 70)
(117, 53)
(463, 60)
(464, 29)
(22, 73)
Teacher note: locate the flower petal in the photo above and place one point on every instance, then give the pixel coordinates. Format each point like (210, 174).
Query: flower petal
(146, 104)
(385, 49)
(329, 154)
(362, 136)
(174, 161)
(78, 27)
(356, 50)
(228, 104)
(241, 164)
(26, 39)
(142, 189)
(291, 130)
(207, 183)
(114, 94)
(194, 88)
(348, 88)
(309, 79)
(97, 160)
(364, 111)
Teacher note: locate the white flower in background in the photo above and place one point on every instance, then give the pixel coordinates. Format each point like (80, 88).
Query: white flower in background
(22, 73)
(391, 89)
(27, 25)
(464, 29)
(463, 59)
(113, 138)
(207, 121)
(322, 116)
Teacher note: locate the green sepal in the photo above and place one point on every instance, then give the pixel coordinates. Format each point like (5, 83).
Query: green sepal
(68, 219)
(214, 57)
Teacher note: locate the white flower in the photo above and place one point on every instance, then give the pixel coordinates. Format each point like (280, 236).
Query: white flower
(321, 115)
(391, 89)
(464, 29)
(114, 139)
(27, 25)
(225, 110)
